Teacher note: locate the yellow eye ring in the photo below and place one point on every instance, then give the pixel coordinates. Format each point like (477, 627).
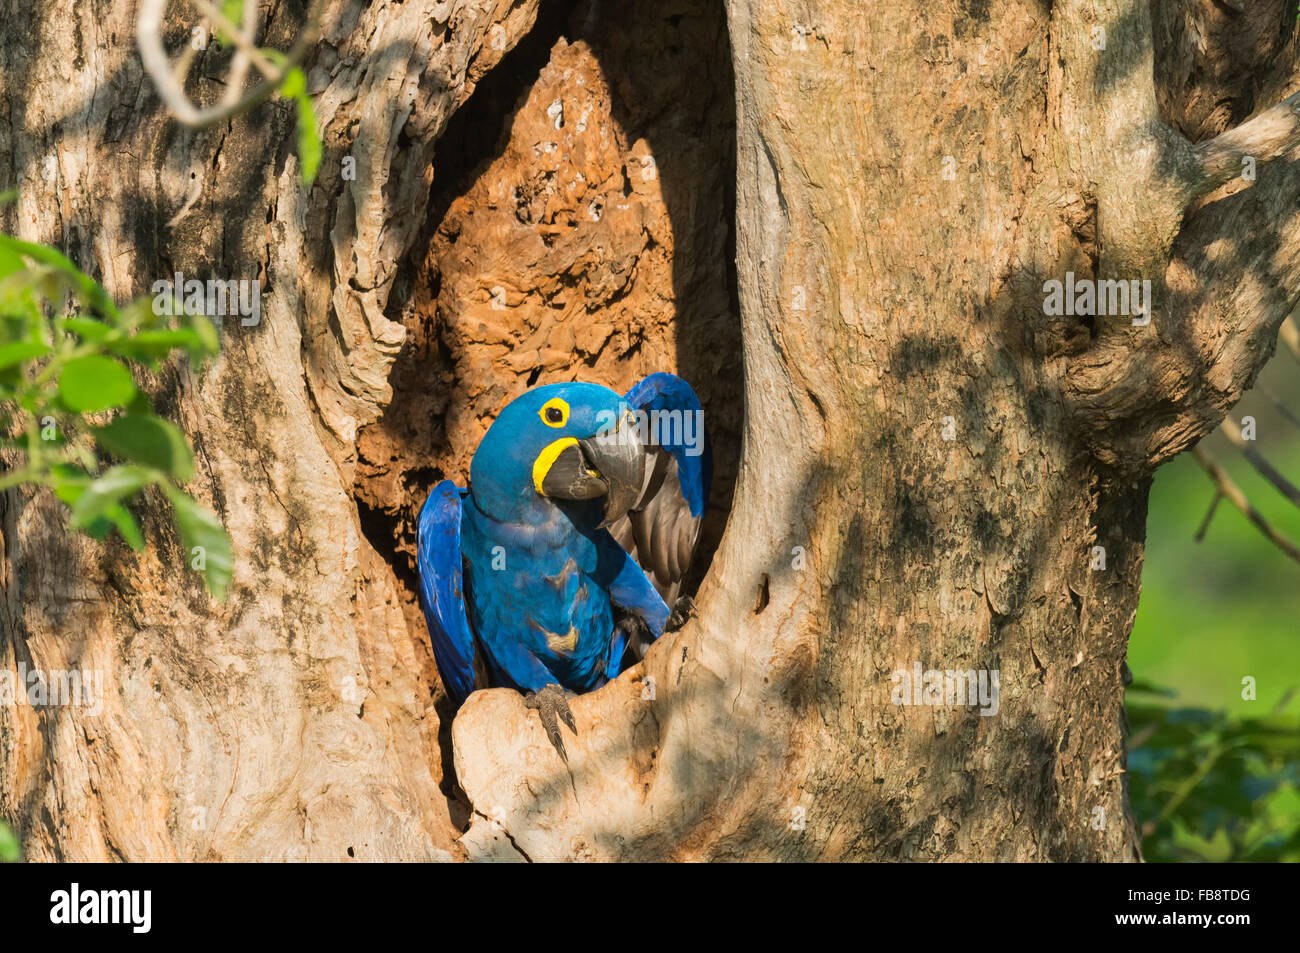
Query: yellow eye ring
(555, 412)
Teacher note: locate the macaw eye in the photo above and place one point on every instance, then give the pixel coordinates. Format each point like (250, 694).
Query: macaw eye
(555, 412)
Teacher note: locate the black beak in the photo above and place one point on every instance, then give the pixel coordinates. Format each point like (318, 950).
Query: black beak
(572, 476)
(620, 457)
(611, 464)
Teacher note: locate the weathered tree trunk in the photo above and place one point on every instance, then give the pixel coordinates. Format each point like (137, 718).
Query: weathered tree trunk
(296, 720)
(888, 306)
(929, 461)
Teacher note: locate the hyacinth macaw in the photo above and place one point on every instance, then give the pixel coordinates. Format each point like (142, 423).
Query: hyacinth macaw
(522, 579)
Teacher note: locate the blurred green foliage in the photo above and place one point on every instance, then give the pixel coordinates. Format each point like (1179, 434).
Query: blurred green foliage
(8, 845)
(1210, 786)
(69, 405)
(1213, 772)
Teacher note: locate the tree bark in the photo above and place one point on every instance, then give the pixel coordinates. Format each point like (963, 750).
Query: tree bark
(296, 720)
(929, 463)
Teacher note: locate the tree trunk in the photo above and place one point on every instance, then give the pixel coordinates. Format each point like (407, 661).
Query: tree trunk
(932, 472)
(296, 720)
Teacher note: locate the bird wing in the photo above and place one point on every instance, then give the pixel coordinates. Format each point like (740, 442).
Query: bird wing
(662, 532)
(442, 591)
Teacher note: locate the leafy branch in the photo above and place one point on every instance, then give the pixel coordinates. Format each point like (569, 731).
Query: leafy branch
(235, 24)
(69, 404)
(1212, 787)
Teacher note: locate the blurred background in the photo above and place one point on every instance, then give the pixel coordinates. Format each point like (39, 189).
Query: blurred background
(1214, 774)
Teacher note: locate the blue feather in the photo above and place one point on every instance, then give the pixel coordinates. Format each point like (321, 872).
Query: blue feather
(442, 590)
(668, 392)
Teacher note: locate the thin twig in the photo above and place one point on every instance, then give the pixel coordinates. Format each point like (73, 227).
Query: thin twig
(15, 478)
(170, 85)
(1205, 523)
(239, 67)
(1233, 494)
(241, 37)
(1262, 466)
(1280, 407)
(1290, 336)
(181, 68)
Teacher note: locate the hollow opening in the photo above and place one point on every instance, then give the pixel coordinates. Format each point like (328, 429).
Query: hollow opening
(581, 227)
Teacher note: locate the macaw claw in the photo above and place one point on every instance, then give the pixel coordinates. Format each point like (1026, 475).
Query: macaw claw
(683, 609)
(552, 707)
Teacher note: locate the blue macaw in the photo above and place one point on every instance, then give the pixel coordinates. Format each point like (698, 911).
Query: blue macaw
(522, 579)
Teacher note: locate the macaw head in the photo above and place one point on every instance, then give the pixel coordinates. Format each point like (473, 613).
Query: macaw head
(560, 443)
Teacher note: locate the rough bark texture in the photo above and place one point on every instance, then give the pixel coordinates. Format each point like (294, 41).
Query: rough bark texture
(771, 731)
(927, 459)
(296, 720)
(964, 553)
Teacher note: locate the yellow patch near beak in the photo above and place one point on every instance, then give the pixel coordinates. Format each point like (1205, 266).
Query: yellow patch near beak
(546, 459)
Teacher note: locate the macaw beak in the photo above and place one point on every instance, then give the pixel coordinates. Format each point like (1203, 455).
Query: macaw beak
(610, 464)
(620, 457)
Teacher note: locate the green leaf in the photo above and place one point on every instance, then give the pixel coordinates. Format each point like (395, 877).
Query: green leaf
(89, 290)
(1224, 786)
(233, 10)
(87, 328)
(295, 84)
(309, 142)
(8, 845)
(70, 485)
(94, 382)
(69, 481)
(10, 262)
(121, 518)
(206, 334)
(143, 313)
(150, 347)
(20, 308)
(13, 327)
(202, 531)
(11, 354)
(148, 440)
(110, 490)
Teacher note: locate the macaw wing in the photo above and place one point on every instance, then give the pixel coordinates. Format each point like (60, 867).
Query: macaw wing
(442, 589)
(662, 532)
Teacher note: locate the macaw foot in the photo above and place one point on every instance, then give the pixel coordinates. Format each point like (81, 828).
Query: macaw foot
(683, 609)
(552, 707)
